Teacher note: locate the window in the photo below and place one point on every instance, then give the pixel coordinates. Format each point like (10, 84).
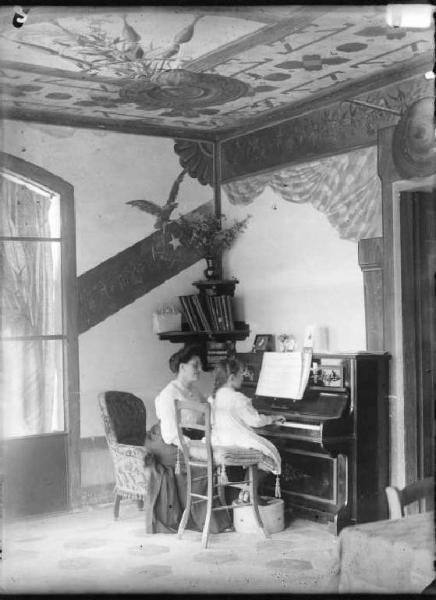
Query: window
(34, 326)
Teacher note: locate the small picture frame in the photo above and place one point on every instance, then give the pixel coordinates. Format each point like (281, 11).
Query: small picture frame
(263, 342)
(332, 376)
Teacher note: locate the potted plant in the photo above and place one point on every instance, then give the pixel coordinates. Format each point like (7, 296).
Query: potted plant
(207, 234)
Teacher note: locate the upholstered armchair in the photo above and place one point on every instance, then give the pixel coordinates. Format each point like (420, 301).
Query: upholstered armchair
(124, 418)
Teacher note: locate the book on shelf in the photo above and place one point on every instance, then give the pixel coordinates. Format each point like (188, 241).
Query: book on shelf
(198, 307)
(228, 313)
(214, 360)
(284, 374)
(211, 313)
(220, 353)
(213, 345)
(187, 313)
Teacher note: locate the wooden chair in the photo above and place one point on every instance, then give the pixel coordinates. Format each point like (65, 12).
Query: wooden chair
(124, 418)
(399, 500)
(200, 454)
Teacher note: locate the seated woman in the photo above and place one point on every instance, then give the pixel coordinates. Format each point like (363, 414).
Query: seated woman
(234, 417)
(163, 441)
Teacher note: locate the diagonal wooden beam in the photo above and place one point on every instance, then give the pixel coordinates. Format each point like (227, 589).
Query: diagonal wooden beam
(265, 35)
(125, 277)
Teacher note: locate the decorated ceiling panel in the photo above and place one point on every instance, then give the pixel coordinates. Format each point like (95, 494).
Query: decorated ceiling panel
(193, 68)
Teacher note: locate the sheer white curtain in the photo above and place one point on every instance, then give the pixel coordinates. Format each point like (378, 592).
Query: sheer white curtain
(31, 368)
(346, 188)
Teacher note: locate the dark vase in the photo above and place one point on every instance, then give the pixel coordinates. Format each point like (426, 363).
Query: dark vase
(210, 270)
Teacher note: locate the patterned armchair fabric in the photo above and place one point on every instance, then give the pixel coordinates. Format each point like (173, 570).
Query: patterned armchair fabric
(128, 417)
(124, 418)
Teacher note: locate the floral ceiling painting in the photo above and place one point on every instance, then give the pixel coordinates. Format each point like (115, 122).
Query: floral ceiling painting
(201, 68)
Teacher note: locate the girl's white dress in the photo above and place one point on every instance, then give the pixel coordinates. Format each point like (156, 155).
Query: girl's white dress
(233, 417)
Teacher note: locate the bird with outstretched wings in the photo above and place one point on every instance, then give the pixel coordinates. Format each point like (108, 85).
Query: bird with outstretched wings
(163, 213)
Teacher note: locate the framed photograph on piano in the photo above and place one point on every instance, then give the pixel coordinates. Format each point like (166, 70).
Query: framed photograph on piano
(263, 342)
(332, 376)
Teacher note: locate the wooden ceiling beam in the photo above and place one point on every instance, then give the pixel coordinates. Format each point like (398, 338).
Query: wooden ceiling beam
(265, 35)
(134, 127)
(346, 91)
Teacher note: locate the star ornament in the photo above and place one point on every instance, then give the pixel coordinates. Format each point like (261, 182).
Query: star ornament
(174, 242)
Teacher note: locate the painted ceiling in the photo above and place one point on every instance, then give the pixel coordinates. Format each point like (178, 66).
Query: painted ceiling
(193, 68)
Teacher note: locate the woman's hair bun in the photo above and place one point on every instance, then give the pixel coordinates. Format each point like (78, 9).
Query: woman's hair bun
(183, 355)
(174, 362)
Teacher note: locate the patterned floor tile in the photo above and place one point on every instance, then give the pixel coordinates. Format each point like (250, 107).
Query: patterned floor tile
(289, 564)
(148, 550)
(77, 562)
(212, 557)
(81, 544)
(150, 571)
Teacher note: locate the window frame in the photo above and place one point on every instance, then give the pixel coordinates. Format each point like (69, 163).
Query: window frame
(39, 176)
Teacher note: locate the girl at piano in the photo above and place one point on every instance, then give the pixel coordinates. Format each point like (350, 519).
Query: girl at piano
(234, 418)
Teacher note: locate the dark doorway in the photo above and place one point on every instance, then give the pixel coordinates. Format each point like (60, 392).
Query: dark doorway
(418, 269)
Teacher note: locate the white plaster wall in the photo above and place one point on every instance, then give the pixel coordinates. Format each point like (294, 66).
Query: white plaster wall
(294, 270)
(292, 266)
(106, 170)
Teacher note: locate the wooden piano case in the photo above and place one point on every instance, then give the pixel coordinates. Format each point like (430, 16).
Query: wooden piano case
(334, 447)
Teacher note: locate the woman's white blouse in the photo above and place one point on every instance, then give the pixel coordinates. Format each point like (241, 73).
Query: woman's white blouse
(166, 409)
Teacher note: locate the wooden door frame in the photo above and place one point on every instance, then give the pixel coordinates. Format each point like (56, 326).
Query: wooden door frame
(398, 295)
(69, 311)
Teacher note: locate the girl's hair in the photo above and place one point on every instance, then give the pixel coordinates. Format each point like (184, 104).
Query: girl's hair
(183, 356)
(223, 370)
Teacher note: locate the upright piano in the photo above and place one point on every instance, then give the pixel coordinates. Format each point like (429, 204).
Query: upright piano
(334, 443)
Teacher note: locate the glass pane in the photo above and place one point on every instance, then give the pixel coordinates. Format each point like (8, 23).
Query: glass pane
(27, 211)
(32, 387)
(31, 296)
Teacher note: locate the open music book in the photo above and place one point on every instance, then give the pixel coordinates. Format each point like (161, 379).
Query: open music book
(284, 374)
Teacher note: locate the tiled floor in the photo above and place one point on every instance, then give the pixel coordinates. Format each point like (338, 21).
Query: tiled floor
(89, 552)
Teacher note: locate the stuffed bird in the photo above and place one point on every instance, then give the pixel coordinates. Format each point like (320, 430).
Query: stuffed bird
(162, 213)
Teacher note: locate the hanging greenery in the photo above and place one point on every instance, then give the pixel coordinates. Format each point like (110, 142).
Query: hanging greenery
(207, 233)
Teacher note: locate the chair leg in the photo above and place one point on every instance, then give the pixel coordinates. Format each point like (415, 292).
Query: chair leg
(187, 510)
(221, 493)
(205, 536)
(253, 499)
(117, 507)
(148, 511)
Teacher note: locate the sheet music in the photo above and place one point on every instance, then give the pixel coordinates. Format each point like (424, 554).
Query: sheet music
(284, 374)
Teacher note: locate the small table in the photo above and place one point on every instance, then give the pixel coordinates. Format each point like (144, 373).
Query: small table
(388, 556)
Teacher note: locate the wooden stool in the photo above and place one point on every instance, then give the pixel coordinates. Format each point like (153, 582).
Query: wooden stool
(200, 454)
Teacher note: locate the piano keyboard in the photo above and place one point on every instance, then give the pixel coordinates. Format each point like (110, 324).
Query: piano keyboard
(296, 425)
(302, 431)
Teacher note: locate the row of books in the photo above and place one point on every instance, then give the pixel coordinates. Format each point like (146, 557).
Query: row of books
(217, 351)
(208, 313)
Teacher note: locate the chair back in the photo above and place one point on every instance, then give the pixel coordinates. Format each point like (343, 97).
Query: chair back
(124, 417)
(400, 500)
(201, 409)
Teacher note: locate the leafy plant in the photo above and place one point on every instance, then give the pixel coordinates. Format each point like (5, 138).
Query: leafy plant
(207, 234)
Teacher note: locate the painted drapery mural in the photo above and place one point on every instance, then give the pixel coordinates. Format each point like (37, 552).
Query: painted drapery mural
(346, 188)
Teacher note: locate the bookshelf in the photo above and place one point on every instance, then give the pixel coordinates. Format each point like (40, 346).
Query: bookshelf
(209, 321)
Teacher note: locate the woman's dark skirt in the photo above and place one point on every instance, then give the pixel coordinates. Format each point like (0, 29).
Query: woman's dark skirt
(171, 499)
